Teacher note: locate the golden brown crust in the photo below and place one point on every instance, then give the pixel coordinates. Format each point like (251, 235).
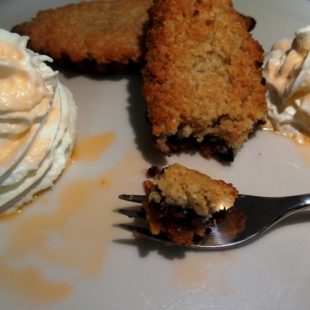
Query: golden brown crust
(203, 73)
(100, 31)
(183, 187)
(178, 188)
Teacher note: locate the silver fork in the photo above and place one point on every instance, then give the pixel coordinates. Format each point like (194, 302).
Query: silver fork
(250, 217)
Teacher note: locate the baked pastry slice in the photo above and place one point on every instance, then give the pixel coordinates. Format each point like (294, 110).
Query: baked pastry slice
(202, 79)
(96, 35)
(183, 203)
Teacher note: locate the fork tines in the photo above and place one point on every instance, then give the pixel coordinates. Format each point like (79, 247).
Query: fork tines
(133, 212)
(132, 198)
(140, 226)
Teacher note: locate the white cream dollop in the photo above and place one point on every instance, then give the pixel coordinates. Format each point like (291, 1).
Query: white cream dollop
(287, 73)
(37, 122)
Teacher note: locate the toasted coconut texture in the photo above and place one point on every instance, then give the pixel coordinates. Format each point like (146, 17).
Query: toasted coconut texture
(100, 35)
(183, 203)
(203, 77)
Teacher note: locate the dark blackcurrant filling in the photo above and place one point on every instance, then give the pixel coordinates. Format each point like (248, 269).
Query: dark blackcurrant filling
(176, 215)
(217, 146)
(177, 223)
(184, 217)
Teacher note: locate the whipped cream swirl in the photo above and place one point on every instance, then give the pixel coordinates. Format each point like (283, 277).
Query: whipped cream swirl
(37, 122)
(287, 73)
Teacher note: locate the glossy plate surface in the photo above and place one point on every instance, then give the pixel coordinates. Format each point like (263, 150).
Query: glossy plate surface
(63, 252)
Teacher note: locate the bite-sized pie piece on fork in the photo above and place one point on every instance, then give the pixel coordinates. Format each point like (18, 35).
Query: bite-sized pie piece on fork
(203, 78)
(94, 36)
(183, 203)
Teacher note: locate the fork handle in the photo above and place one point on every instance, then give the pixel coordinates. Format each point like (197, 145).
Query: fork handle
(272, 208)
(303, 201)
(292, 204)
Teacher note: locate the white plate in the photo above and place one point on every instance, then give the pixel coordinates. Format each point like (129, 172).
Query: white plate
(62, 251)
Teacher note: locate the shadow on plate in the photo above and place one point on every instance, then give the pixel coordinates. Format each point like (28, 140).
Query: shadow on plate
(136, 108)
(146, 246)
(143, 135)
